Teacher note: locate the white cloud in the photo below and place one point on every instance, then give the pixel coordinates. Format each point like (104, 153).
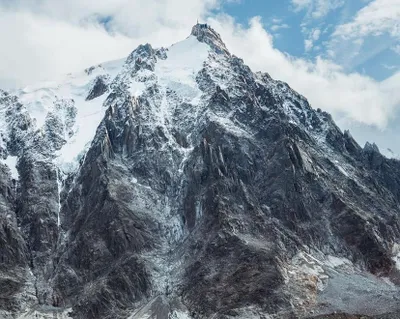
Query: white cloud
(301, 4)
(372, 30)
(390, 67)
(316, 34)
(277, 27)
(312, 38)
(276, 20)
(308, 45)
(396, 49)
(45, 38)
(134, 18)
(36, 48)
(376, 18)
(317, 8)
(48, 37)
(325, 84)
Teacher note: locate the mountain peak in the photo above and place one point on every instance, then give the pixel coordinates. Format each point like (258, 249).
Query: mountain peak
(110, 179)
(204, 33)
(371, 148)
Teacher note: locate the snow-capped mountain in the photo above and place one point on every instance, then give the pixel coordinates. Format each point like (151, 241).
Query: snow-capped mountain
(177, 183)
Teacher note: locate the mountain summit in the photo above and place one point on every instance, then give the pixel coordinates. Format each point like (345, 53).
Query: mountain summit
(177, 183)
(204, 33)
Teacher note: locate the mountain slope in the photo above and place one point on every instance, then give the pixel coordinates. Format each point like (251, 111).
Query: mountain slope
(180, 184)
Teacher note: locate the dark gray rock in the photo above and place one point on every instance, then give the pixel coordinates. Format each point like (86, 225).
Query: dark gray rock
(100, 87)
(218, 209)
(13, 251)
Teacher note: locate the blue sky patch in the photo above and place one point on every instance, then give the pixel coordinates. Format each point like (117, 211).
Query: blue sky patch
(302, 33)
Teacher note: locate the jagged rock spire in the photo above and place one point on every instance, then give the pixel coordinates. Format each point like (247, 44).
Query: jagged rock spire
(371, 148)
(204, 33)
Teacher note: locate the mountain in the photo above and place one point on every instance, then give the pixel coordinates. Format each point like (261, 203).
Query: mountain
(177, 183)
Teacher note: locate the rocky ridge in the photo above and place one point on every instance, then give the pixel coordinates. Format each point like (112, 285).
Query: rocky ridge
(179, 184)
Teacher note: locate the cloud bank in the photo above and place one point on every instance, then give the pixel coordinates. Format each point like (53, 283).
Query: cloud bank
(325, 84)
(377, 18)
(50, 37)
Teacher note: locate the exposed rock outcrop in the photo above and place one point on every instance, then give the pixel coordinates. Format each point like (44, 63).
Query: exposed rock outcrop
(207, 191)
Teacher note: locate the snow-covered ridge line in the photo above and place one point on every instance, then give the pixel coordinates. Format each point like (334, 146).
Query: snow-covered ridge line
(189, 174)
(173, 69)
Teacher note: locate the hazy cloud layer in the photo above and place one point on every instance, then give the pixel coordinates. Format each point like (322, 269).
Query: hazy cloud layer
(46, 38)
(324, 83)
(317, 8)
(378, 17)
(375, 28)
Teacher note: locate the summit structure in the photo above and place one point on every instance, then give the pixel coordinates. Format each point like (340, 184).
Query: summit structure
(204, 33)
(178, 183)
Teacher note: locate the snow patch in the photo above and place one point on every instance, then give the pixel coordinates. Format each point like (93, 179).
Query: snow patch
(396, 255)
(11, 162)
(46, 313)
(41, 99)
(335, 262)
(199, 209)
(89, 116)
(177, 314)
(161, 307)
(113, 67)
(136, 88)
(178, 72)
(309, 265)
(341, 169)
(229, 125)
(59, 188)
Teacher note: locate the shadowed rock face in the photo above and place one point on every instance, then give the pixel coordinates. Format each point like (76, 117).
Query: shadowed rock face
(13, 252)
(341, 316)
(226, 198)
(99, 88)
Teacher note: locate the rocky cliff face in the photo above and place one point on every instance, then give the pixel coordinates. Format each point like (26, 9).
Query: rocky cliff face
(179, 184)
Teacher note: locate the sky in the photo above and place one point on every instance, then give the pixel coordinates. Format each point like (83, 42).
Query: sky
(342, 55)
